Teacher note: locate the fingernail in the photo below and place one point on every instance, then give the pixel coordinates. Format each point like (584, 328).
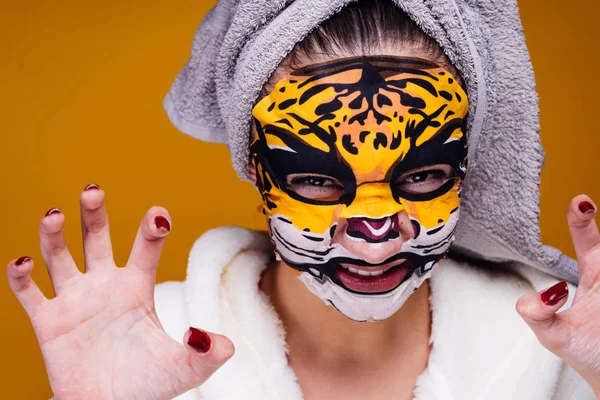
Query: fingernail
(91, 186)
(22, 260)
(199, 340)
(586, 207)
(162, 223)
(52, 211)
(552, 295)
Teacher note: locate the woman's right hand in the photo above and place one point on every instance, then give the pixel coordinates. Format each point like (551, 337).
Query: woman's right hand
(100, 336)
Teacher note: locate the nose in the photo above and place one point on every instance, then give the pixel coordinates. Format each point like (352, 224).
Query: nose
(372, 200)
(373, 230)
(374, 240)
(375, 226)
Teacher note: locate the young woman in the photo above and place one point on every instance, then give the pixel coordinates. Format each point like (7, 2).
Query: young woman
(359, 141)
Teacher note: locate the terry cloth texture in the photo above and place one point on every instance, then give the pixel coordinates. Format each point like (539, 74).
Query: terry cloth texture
(241, 42)
(481, 348)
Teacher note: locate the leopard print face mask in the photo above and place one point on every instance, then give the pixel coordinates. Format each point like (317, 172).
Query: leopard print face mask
(362, 140)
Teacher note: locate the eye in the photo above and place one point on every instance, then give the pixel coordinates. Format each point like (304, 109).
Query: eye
(420, 176)
(314, 181)
(316, 187)
(425, 180)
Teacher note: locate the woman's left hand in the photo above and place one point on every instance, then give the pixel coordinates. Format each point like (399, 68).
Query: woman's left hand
(574, 334)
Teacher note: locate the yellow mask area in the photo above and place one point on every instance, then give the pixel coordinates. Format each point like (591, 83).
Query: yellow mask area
(361, 137)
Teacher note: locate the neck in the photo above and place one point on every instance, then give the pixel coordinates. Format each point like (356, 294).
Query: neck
(326, 338)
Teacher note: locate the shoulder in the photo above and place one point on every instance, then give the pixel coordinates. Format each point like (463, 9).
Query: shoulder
(222, 295)
(478, 337)
(220, 245)
(511, 279)
(484, 275)
(212, 254)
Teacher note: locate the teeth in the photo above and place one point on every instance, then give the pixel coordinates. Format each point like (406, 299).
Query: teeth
(364, 273)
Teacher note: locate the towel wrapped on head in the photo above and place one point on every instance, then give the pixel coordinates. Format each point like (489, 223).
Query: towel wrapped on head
(240, 43)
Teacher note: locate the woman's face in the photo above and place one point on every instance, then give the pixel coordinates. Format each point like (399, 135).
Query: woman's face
(360, 162)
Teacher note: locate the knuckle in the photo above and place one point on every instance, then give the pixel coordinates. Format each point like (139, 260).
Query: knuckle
(57, 251)
(21, 285)
(554, 343)
(578, 223)
(95, 227)
(196, 370)
(25, 285)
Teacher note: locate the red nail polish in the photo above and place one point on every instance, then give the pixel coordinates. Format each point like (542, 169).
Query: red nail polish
(91, 186)
(52, 211)
(586, 207)
(199, 340)
(552, 295)
(162, 223)
(22, 260)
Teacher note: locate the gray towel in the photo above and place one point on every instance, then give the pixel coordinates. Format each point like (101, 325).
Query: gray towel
(240, 43)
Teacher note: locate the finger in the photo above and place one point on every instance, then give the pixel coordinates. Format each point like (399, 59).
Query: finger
(207, 352)
(149, 241)
(538, 310)
(584, 232)
(97, 246)
(59, 262)
(19, 279)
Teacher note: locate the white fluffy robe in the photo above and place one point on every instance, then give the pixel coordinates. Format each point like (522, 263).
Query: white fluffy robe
(481, 347)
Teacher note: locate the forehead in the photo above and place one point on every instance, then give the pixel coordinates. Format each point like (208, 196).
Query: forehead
(372, 111)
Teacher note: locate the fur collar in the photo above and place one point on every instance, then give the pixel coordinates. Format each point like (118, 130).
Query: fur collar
(481, 347)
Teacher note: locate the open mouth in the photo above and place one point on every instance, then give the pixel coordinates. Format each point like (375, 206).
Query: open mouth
(372, 279)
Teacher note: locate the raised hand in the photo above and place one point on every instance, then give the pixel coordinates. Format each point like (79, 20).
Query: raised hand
(574, 334)
(100, 336)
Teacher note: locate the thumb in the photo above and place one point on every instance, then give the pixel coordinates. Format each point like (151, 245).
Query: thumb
(538, 310)
(207, 352)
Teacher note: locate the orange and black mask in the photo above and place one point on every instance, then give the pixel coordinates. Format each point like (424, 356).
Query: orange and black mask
(353, 139)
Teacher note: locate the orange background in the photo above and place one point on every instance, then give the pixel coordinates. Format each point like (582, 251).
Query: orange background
(83, 84)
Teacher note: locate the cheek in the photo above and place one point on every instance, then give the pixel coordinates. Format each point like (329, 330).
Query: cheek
(305, 217)
(436, 212)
